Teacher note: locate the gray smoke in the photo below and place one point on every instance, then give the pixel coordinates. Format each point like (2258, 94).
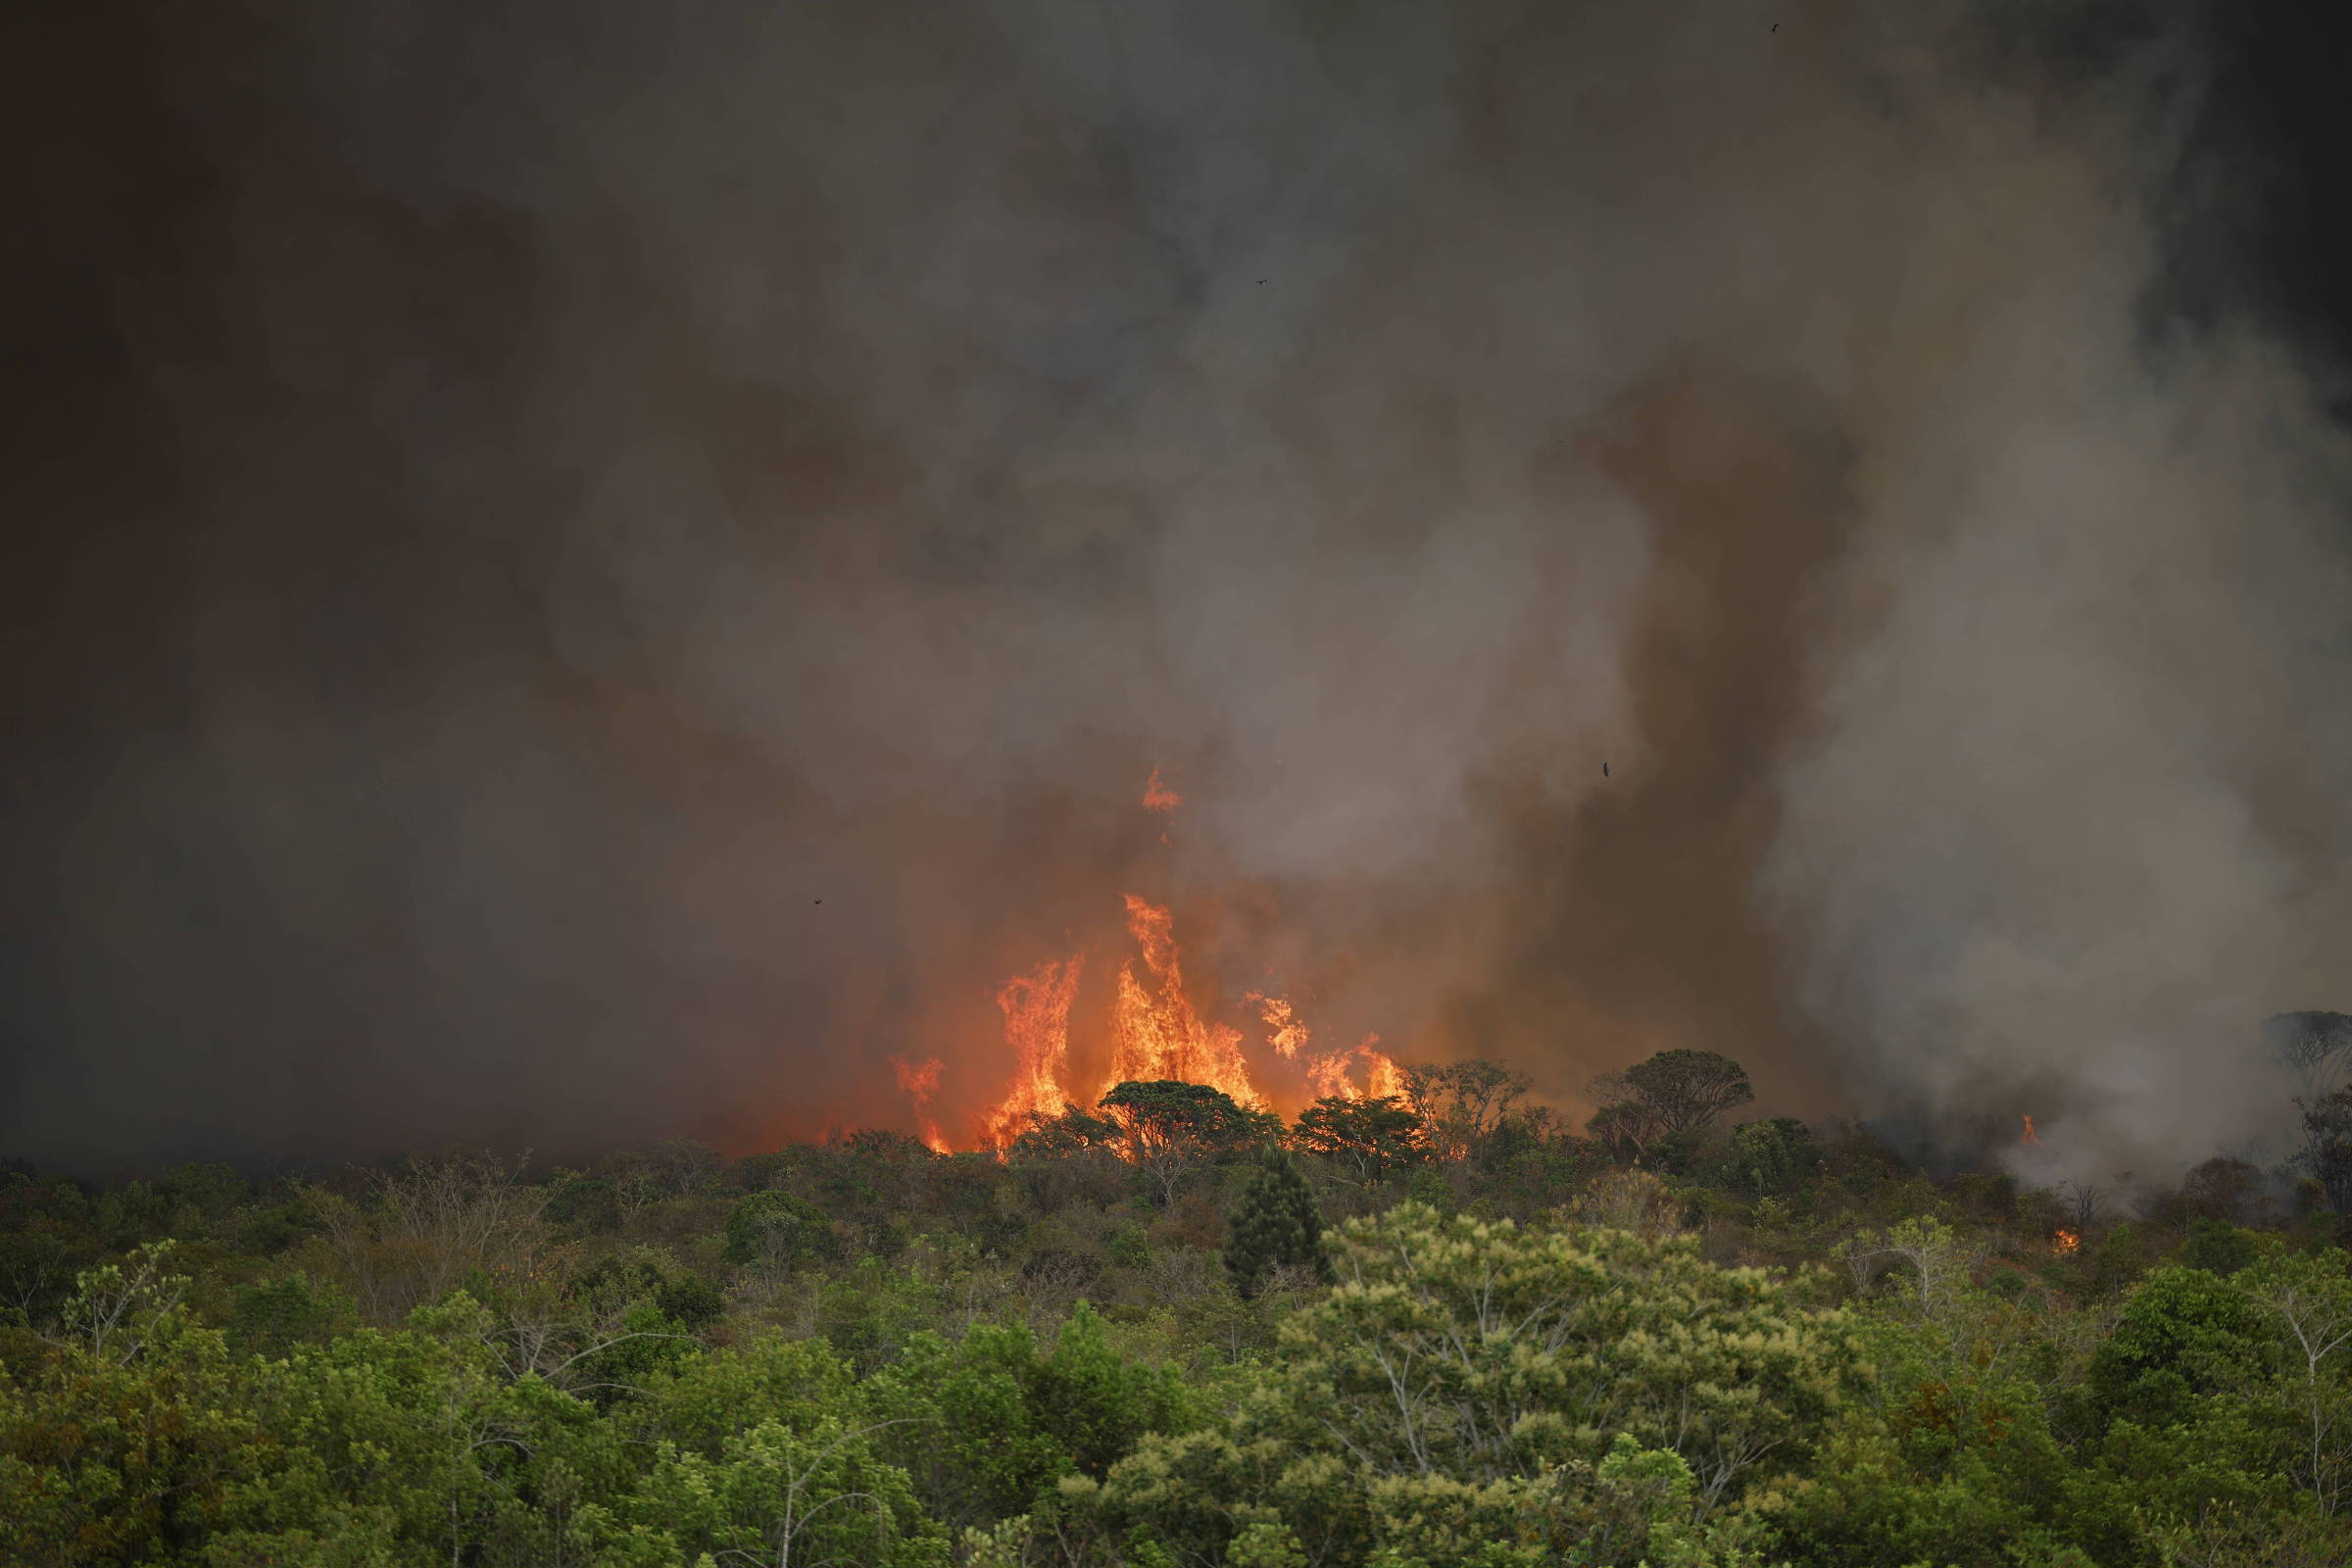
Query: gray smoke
(582, 483)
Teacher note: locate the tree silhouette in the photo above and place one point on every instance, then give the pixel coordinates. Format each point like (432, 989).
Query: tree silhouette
(1370, 1137)
(2312, 1047)
(1673, 1098)
(1461, 1103)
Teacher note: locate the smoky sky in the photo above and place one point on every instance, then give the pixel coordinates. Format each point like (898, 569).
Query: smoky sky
(515, 504)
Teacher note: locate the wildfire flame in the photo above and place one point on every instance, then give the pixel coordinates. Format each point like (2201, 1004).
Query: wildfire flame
(2065, 1243)
(1383, 1078)
(1037, 1026)
(1326, 1070)
(1155, 1032)
(2029, 1140)
(920, 1081)
(1158, 1034)
(1289, 1033)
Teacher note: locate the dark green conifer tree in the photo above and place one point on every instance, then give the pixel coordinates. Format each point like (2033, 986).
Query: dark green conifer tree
(1273, 1221)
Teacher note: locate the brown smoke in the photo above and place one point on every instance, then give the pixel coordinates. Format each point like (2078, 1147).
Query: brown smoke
(575, 487)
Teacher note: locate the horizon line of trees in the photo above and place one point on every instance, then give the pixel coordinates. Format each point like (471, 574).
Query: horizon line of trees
(1166, 1331)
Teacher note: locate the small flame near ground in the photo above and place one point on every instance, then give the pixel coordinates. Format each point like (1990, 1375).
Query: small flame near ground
(2029, 1140)
(1156, 1033)
(2065, 1243)
(920, 1081)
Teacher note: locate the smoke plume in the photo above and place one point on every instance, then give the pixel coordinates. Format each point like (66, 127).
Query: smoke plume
(527, 500)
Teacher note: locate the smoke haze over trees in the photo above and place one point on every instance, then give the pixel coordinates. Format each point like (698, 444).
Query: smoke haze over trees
(519, 504)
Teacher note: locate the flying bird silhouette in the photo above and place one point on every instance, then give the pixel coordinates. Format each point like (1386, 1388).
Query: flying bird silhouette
(1604, 770)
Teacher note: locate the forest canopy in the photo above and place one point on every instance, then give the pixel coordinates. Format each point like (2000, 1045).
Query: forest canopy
(1437, 1328)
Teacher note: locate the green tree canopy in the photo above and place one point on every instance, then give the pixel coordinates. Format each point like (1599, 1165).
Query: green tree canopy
(778, 1230)
(1772, 1159)
(1167, 1129)
(1370, 1138)
(1470, 1386)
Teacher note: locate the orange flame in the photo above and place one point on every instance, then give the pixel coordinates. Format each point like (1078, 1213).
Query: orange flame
(1326, 1070)
(920, 1081)
(1157, 1034)
(2065, 1243)
(1327, 1076)
(1037, 1026)
(2029, 1141)
(1289, 1032)
(1381, 1076)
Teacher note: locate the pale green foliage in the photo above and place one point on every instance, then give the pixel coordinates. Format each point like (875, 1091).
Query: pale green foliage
(1634, 1200)
(1483, 1350)
(1265, 1544)
(778, 1497)
(1471, 1391)
(1937, 1258)
(118, 1309)
(2306, 1302)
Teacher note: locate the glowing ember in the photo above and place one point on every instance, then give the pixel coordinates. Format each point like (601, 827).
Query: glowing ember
(1037, 1026)
(920, 1081)
(2065, 1243)
(2029, 1140)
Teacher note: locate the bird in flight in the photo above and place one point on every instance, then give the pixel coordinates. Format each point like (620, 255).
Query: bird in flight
(1604, 770)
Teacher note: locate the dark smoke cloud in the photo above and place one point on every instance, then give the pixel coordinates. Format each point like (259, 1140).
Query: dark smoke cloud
(527, 500)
